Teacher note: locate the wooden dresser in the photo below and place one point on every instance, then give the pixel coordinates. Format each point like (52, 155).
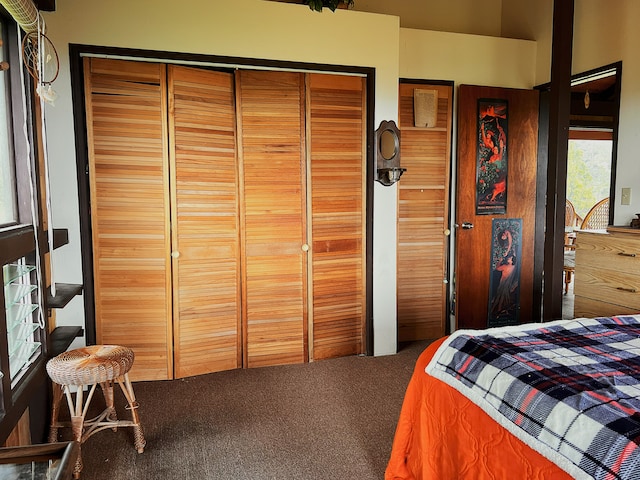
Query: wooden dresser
(607, 275)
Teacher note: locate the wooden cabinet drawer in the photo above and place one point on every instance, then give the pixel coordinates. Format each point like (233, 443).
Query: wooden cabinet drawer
(619, 253)
(588, 308)
(611, 286)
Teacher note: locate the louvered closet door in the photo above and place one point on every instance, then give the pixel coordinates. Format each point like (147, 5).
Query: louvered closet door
(206, 262)
(271, 119)
(336, 113)
(423, 217)
(127, 139)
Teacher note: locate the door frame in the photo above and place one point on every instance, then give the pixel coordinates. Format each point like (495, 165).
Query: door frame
(552, 297)
(78, 51)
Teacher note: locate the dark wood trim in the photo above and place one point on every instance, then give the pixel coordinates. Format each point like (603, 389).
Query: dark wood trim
(541, 195)
(45, 5)
(614, 149)
(82, 176)
(22, 148)
(76, 52)
(21, 397)
(446, 83)
(590, 134)
(559, 110)
(20, 241)
(371, 104)
(16, 243)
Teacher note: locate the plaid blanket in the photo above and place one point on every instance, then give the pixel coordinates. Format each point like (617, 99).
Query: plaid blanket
(569, 389)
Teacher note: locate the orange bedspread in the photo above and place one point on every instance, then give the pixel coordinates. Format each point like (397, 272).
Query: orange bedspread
(441, 435)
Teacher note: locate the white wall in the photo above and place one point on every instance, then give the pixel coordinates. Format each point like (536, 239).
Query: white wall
(605, 32)
(241, 28)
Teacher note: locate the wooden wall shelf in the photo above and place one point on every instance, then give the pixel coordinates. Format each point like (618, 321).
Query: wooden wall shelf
(61, 337)
(64, 293)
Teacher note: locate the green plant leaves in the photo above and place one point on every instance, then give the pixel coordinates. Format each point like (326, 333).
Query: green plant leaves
(317, 5)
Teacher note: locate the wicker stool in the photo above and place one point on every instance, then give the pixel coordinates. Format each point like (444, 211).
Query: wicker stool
(92, 366)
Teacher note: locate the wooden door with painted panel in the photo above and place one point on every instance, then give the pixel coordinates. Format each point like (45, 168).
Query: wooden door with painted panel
(423, 212)
(474, 236)
(126, 110)
(273, 216)
(204, 211)
(336, 129)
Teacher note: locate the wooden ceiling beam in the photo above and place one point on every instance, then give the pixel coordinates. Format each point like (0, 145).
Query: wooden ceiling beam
(45, 5)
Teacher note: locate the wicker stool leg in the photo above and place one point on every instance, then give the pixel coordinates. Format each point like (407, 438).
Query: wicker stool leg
(76, 429)
(55, 409)
(127, 389)
(77, 424)
(107, 391)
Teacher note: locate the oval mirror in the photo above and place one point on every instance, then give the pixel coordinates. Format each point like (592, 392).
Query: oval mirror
(388, 144)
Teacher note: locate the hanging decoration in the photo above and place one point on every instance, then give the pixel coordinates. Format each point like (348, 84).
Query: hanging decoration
(491, 157)
(41, 60)
(504, 283)
(425, 108)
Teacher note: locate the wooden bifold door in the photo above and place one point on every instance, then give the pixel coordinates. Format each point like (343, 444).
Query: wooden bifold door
(227, 214)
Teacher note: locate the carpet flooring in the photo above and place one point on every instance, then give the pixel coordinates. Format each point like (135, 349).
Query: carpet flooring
(331, 419)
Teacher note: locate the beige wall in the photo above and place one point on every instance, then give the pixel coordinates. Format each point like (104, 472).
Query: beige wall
(535, 24)
(458, 16)
(470, 59)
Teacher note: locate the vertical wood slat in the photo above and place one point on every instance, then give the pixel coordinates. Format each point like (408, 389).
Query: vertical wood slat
(205, 237)
(422, 217)
(270, 105)
(337, 155)
(126, 109)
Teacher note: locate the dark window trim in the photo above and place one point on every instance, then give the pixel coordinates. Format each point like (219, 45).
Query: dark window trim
(18, 240)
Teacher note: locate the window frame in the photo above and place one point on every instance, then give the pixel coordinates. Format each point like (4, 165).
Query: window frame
(19, 240)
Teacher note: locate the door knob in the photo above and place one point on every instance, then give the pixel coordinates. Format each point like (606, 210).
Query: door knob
(175, 254)
(305, 248)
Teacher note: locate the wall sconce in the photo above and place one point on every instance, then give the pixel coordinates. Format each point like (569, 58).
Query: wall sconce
(387, 153)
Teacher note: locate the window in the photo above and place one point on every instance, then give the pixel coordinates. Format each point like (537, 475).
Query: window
(22, 321)
(588, 172)
(8, 198)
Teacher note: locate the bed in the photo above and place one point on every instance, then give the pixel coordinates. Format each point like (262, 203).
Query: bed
(558, 400)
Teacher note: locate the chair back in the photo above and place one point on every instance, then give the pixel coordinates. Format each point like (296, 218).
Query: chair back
(598, 217)
(569, 214)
